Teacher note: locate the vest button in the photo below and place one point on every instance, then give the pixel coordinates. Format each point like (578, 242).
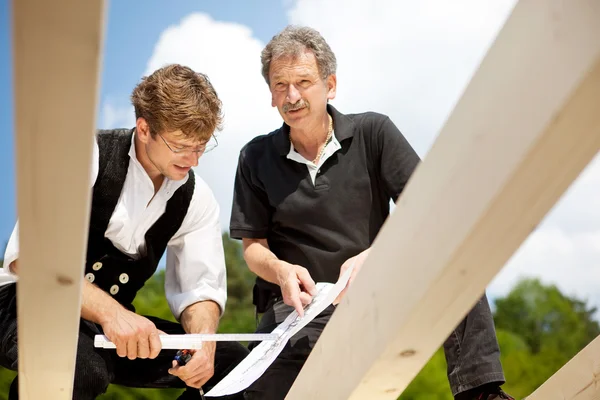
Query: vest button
(90, 277)
(123, 278)
(97, 266)
(114, 289)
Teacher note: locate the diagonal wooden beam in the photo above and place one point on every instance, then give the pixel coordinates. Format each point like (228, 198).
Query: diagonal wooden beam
(579, 379)
(57, 62)
(526, 126)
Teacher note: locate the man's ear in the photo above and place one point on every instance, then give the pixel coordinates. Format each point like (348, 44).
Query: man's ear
(331, 86)
(142, 130)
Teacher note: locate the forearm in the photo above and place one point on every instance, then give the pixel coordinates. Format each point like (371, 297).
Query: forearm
(201, 317)
(96, 305)
(263, 262)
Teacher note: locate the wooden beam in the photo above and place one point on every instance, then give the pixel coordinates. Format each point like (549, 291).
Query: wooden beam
(57, 62)
(526, 126)
(579, 379)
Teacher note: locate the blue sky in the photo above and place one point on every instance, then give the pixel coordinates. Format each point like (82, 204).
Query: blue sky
(409, 60)
(132, 31)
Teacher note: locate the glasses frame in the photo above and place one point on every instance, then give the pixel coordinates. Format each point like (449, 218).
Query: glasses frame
(207, 147)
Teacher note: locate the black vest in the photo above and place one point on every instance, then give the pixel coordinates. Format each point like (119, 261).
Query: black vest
(106, 266)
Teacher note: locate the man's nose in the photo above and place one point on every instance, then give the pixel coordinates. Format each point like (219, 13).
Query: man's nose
(192, 158)
(293, 94)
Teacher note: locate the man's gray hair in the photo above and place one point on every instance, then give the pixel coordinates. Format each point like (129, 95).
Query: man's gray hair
(293, 41)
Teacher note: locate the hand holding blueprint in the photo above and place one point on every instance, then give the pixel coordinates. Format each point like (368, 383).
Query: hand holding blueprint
(263, 355)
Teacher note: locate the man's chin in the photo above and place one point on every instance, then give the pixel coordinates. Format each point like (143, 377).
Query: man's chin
(179, 173)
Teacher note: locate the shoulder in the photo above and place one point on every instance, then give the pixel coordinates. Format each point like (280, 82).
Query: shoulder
(259, 147)
(107, 135)
(203, 199)
(369, 119)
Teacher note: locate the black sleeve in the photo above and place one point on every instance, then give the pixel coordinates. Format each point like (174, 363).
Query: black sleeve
(250, 213)
(398, 159)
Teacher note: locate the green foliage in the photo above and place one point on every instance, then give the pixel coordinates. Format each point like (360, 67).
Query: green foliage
(538, 329)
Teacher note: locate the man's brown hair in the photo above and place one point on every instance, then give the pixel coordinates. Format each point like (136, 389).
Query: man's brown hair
(177, 98)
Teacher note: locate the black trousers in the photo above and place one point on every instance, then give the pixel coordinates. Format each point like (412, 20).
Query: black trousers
(96, 368)
(472, 352)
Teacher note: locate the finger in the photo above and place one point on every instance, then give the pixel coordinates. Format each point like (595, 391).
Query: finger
(121, 348)
(143, 348)
(307, 281)
(339, 297)
(345, 266)
(297, 304)
(177, 370)
(352, 277)
(195, 382)
(132, 348)
(200, 376)
(305, 298)
(155, 345)
(199, 380)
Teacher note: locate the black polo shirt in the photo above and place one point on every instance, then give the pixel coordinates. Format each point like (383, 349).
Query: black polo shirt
(319, 226)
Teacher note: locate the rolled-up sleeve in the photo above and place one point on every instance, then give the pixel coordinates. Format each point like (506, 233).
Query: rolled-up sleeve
(12, 251)
(195, 269)
(249, 212)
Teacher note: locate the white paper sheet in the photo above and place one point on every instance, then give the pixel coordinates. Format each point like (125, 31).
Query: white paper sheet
(263, 355)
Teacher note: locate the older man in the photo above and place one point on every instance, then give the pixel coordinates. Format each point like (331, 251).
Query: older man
(310, 198)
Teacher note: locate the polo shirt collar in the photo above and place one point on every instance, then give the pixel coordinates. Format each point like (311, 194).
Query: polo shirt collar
(343, 129)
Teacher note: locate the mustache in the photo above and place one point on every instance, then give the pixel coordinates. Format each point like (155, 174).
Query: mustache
(296, 106)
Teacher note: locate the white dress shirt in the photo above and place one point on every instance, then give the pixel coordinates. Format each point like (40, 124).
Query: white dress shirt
(195, 269)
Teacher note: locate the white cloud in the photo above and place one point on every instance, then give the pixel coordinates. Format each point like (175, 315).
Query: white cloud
(113, 116)
(565, 249)
(230, 56)
(408, 59)
(411, 60)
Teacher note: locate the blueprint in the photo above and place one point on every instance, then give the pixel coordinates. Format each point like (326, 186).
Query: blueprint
(263, 355)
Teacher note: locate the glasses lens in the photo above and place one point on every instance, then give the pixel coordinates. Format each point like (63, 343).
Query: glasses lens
(211, 144)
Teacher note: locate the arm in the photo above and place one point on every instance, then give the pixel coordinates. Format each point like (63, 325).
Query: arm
(297, 287)
(195, 283)
(134, 335)
(250, 218)
(12, 249)
(201, 317)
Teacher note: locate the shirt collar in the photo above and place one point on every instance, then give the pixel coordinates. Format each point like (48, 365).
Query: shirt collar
(329, 149)
(343, 129)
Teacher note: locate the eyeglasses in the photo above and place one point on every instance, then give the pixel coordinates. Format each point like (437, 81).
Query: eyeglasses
(205, 148)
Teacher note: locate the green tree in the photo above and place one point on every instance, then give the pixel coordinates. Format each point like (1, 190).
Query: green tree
(553, 326)
(546, 318)
(538, 328)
